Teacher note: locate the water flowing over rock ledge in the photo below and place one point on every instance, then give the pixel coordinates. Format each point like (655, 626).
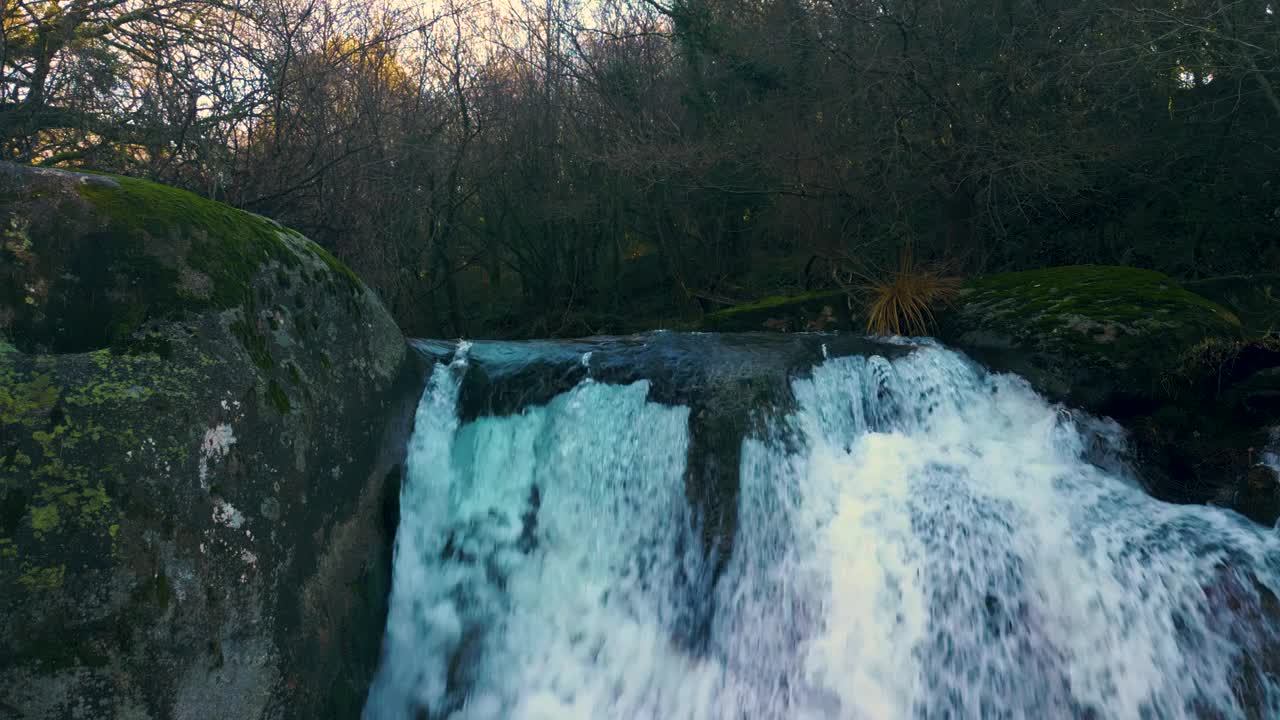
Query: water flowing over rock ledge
(912, 536)
(1193, 376)
(729, 383)
(202, 419)
(203, 416)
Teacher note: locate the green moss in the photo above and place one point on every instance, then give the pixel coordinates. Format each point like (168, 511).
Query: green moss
(126, 377)
(1119, 294)
(227, 245)
(43, 578)
(45, 519)
(1098, 305)
(25, 402)
(94, 506)
(340, 270)
(779, 301)
(102, 358)
(253, 340)
(751, 316)
(1095, 332)
(1255, 299)
(69, 447)
(278, 398)
(54, 445)
(96, 393)
(184, 253)
(251, 337)
(149, 343)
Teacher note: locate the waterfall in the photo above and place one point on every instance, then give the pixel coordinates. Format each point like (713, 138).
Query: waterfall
(915, 537)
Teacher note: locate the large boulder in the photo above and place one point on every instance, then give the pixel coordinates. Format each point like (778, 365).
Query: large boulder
(1255, 299)
(202, 417)
(1193, 383)
(1114, 340)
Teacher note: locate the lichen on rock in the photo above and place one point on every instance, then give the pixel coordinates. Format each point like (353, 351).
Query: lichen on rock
(176, 456)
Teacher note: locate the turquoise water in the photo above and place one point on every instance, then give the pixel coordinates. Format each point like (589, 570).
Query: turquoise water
(915, 537)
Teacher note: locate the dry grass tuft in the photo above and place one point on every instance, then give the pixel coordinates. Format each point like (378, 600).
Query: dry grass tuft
(905, 303)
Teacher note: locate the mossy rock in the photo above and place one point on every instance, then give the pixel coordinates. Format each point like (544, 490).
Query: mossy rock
(824, 310)
(190, 485)
(1255, 299)
(1109, 339)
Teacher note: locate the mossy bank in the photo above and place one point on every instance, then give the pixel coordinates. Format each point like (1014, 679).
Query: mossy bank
(1104, 338)
(1186, 368)
(1192, 370)
(201, 416)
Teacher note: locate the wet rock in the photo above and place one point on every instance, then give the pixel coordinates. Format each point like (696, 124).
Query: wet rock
(201, 420)
(1183, 374)
(1237, 607)
(1110, 340)
(1191, 379)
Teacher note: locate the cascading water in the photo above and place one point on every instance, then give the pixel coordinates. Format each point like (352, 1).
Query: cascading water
(915, 538)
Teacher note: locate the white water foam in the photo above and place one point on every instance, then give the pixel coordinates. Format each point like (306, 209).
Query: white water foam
(917, 539)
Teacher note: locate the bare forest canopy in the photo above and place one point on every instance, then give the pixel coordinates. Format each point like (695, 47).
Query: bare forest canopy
(559, 167)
